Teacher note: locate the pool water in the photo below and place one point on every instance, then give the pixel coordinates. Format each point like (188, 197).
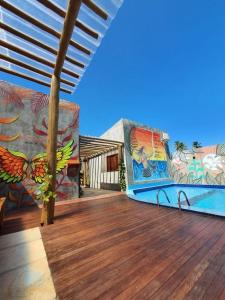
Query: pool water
(206, 199)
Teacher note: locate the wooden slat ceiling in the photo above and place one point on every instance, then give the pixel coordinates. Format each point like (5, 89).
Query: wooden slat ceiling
(92, 146)
(30, 31)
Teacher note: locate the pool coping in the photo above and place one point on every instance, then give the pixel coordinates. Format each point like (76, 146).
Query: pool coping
(131, 194)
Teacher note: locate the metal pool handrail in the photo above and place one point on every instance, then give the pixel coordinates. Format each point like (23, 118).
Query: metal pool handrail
(179, 194)
(157, 196)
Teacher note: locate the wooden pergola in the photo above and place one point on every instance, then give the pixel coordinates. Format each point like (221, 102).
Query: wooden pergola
(92, 147)
(51, 43)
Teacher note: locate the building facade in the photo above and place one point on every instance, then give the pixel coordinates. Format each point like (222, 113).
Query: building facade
(145, 156)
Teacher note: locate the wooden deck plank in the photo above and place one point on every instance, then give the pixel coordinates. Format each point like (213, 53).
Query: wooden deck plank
(116, 248)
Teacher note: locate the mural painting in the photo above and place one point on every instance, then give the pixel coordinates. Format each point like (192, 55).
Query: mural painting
(15, 166)
(149, 158)
(204, 165)
(23, 138)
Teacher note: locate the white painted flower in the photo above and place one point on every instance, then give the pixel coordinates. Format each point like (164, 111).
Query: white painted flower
(180, 157)
(213, 162)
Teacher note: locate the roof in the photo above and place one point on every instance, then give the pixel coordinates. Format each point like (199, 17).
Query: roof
(30, 32)
(92, 146)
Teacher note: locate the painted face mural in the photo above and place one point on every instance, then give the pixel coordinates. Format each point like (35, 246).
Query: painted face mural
(148, 155)
(15, 166)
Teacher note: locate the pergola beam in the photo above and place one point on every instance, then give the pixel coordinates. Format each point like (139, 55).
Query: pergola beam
(40, 25)
(25, 76)
(70, 18)
(96, 9)
(60, 12)
(30, 55)
(31, 68)
(38, 43)
(90, 139)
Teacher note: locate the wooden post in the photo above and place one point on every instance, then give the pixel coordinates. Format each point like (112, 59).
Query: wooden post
(47, 216)
(85, 173)
(120, 153)
(53, 114)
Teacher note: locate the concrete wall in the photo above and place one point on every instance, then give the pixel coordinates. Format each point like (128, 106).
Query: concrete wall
(115, 133)
(23, 128)
(199, 166)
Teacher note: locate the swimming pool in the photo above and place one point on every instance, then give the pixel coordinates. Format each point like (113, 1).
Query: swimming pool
(202, 198)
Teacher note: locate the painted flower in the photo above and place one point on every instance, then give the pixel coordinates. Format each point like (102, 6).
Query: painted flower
(213, 162)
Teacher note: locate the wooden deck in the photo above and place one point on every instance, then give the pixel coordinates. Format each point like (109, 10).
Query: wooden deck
(118, 248)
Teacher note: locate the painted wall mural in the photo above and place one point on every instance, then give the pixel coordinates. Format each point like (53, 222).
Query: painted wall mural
(204, 165)
(23, 138)
(15, 166)
(148, 154)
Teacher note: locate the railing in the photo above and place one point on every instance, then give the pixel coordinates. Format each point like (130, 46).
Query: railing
(179, 194)
(157, 196)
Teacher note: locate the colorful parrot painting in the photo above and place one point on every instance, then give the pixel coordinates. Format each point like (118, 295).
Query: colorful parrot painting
(15, 166)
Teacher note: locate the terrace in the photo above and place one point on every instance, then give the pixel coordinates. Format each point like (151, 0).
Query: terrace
(117, 248)
(101, 247)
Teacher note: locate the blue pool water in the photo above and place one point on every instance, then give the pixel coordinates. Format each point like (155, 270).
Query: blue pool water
(206, 199)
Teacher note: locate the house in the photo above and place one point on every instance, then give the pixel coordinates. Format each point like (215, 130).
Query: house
(144, 152)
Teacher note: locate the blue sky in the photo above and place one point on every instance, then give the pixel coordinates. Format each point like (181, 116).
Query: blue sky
(161, 64)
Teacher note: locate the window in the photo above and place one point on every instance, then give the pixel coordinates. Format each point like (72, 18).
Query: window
(112, 163)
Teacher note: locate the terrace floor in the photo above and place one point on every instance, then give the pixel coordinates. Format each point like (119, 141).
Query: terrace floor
(118, 248)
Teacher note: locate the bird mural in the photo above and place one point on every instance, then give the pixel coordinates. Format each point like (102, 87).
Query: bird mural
(15, 166)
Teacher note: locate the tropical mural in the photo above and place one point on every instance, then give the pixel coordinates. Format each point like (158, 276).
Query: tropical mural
(205, 165)
(149, 158)
(23, 138)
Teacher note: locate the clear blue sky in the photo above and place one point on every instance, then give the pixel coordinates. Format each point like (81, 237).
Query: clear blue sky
(162, 64)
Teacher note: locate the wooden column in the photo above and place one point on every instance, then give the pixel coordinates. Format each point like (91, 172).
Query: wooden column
(120, 153)
(69, 22)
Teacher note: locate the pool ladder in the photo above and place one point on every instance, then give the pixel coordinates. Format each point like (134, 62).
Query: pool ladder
(157, 196)
(185, 195)
(179, 195)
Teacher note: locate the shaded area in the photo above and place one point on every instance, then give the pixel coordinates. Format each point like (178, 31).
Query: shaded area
(21, 219)
(89, 192)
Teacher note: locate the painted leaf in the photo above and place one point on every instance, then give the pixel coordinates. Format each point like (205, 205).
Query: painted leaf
(8, 120)
(44, 124)
(220, 178)
(67, 138)
(183, 179)
(74, 123)
(68, 184)
(38, 131)
(210, 179)
(7, 138)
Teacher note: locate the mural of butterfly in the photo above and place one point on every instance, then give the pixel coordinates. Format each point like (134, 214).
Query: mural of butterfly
(15, 166)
